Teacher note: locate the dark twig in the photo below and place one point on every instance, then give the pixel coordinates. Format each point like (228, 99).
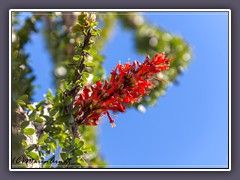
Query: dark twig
(78, 75)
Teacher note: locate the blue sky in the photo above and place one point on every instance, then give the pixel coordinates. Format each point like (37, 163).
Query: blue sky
(189, 125)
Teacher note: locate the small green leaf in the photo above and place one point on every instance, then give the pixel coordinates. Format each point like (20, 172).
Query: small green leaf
(83, 80)
(87, 149)
(67, 101)
(47, 165)
(53, 146)
(76, 57)
(92, 52)
(77, 28)
(88, 48)
(32, 147)
(78, 152)
(14, 54)
(90, 64)
(49, 96)
(24, 143)
(23, 98)
(32, 116)
(33, 155)
(56, 130)
(78, 143)
(40, 104)
(63, 155)
(86, 74)
(40, 119)
(29, 131)
(42, 139)
(21, 102)
(62, 138)
(53, 111)
(95, 23)
(65, 118)
(24, 124)
(31, 107)
(40, 108)
(82, 162)
(82, 18)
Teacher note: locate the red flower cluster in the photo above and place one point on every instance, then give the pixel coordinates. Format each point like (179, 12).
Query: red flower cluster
(127, 84)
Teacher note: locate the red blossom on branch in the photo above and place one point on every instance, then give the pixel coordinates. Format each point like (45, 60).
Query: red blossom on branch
(127, 84)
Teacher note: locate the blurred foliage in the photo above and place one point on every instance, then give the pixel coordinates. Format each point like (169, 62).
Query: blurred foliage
(21, 75)
(60, 41)
(75, 44)
(21, 71)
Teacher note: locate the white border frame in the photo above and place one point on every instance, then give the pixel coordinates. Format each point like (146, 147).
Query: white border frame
(127, 10)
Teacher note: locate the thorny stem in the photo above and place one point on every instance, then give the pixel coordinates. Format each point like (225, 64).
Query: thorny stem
(83, 54)
(81, 67)
(78, 75)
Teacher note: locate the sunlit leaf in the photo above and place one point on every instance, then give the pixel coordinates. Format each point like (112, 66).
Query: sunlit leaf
(42, 139)
(40, 119)
(33, 155)
(31, 107)
(29, 131)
